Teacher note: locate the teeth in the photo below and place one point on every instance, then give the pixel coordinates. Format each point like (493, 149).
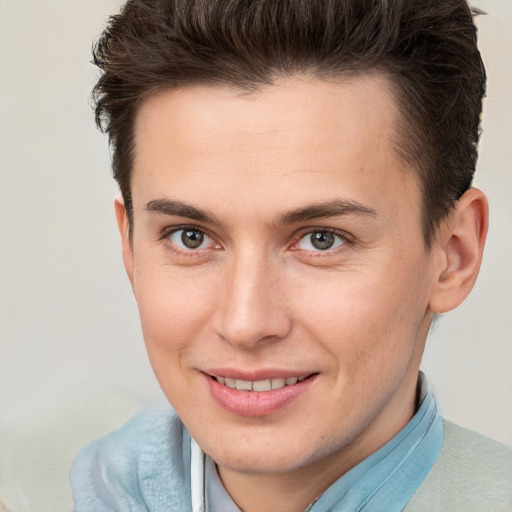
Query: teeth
(277, 383)
(230, 383)
(262, 385)
(244, 385)
(259, 385)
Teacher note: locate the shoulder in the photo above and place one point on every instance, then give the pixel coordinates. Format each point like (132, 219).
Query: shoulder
(145, 465)
(472, 473)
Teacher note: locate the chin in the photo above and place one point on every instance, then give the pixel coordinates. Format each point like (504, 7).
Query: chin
(283, 455)
(258, 462)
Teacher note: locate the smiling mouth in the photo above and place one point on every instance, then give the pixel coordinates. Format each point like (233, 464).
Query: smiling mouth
(259, 385)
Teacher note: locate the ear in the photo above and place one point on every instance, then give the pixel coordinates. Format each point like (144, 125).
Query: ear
(123, 224)
(460, 244)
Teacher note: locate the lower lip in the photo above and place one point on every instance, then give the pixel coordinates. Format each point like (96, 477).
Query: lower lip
(256, 403)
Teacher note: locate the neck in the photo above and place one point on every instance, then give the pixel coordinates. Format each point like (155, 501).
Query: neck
(287, 492)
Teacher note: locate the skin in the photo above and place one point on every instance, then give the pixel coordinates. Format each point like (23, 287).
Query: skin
(258, 295)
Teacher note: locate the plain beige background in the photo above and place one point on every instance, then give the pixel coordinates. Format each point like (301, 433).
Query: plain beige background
(72, 360)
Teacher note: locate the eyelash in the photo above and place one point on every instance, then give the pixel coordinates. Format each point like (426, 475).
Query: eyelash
(168, 232)
(347, 239)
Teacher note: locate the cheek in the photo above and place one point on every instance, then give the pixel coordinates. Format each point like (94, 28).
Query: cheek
(174, 308)
(366, 316)
(174, 317)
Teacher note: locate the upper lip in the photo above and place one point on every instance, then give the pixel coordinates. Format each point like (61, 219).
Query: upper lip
(255, 375)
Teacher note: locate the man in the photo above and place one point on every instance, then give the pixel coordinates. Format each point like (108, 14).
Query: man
(296, 209)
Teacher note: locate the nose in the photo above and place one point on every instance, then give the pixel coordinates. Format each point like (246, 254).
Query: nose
(252, 306)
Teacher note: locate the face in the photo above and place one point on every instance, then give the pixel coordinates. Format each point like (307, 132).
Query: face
(279, 268)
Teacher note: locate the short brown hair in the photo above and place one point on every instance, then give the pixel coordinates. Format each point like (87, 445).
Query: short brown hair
(426, 47)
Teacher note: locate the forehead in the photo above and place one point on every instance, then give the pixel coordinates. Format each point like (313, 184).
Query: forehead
(297, 139)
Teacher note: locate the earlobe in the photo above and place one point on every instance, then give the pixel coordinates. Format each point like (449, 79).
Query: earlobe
(461, 239)
(123, 224)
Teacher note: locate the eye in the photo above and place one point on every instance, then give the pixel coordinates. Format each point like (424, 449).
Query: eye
(190, 239)
(320, 240)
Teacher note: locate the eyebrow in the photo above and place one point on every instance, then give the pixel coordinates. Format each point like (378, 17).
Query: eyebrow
(180, 209)
(325, 210)
(332, 208)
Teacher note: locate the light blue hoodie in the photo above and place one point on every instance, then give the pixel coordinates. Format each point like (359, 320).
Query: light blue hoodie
(146, 467)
